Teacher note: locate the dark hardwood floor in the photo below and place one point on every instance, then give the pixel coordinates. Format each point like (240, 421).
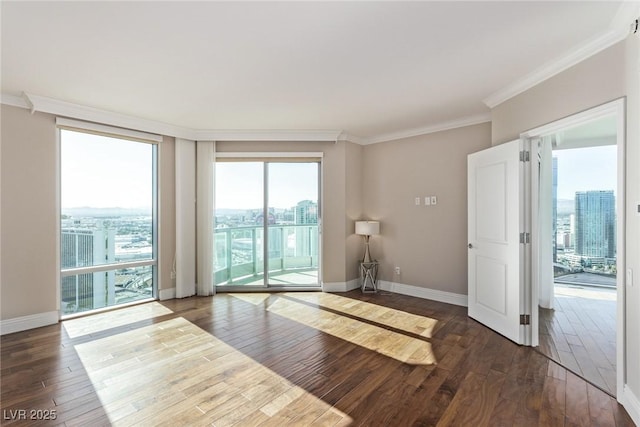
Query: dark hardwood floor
(580, 334)
(297, 359)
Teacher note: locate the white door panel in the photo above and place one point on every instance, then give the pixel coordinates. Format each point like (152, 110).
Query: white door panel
(491, 284)
(494, 239)
(491, 224)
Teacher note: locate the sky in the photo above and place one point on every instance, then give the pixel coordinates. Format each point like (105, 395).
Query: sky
(240, 185)
(102, 172)
(585, 169)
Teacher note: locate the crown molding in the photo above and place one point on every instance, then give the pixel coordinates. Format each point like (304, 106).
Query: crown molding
(44, 104)
(439, 127)
(351, 138)
(619, 29)
(267, 135)
(553, 68)
(14, 101)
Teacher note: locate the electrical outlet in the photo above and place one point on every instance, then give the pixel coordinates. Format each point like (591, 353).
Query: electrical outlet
(398, 271)
(417, 201)
(427, 201)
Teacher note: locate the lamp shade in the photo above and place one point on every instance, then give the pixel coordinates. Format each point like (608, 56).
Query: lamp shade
(367, 228)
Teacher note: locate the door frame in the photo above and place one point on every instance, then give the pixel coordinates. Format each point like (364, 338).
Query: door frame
(618, 108)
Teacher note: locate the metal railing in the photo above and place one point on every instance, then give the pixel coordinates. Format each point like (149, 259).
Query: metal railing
(239, 251)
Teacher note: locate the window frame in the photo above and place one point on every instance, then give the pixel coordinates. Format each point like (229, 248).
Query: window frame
(122, 134)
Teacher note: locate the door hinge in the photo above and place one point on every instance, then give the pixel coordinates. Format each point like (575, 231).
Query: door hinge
(525, 238)
(525, 319)
(524, 156)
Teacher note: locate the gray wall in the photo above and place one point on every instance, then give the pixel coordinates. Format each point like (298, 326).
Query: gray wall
(28, 204)
(595, 81)
(428, 243)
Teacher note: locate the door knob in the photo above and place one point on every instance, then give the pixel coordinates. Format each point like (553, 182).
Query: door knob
(470, 246)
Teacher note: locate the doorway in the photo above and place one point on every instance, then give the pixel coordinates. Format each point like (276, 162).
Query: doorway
(267, 224)
(579, 249)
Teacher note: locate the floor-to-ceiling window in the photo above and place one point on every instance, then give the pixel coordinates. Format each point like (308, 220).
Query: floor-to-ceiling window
(267, 219)
(107, 221)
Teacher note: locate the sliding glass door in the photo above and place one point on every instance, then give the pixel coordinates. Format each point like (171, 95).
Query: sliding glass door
(267, 219)
(239, 222)
(293, 226)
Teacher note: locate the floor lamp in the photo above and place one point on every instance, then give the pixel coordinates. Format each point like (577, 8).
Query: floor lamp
(367, 229)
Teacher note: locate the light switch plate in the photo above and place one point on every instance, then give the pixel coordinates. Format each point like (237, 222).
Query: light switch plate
(417, 201)
(427, 201)
(434, 200)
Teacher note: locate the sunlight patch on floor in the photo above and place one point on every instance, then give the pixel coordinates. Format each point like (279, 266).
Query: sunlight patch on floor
(397, 319)
(584, 292)
(251, 298)
(103, 321)
(392, 344)
(174, 373)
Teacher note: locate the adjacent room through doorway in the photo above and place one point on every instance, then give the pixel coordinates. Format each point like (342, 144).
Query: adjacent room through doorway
(578, 192)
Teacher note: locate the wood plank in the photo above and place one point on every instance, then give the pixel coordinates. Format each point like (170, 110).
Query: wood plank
(580, 335)
(351, 359)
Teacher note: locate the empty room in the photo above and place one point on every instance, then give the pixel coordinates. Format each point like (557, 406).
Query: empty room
(306, 213)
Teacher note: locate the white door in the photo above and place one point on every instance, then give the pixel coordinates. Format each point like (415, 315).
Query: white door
(494, 225)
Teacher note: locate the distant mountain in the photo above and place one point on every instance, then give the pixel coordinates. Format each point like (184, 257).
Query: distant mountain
(233, 212)
(105, 212)
(566, 206)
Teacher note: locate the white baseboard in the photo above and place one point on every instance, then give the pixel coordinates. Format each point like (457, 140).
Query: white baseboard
(341, 286)
(632, 404)
(165, 294)
(426, 293)
(18, 324)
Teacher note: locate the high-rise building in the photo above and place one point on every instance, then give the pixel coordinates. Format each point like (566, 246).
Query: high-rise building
(595, 227)
(306, 212)
(85, 248)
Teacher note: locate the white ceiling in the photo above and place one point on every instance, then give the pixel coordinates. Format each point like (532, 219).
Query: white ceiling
(369, 69)
(596, 133)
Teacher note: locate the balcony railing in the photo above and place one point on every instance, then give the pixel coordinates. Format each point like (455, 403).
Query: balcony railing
(240, 252)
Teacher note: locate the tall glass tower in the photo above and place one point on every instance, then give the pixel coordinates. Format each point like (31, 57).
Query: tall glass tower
(595, 224)
(86, 248)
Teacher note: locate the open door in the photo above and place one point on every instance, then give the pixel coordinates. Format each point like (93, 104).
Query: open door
(496, 219)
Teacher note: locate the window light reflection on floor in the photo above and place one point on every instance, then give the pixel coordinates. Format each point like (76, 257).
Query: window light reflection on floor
(99, 322)
(399, 346)
(398, 319)
(199, 377)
